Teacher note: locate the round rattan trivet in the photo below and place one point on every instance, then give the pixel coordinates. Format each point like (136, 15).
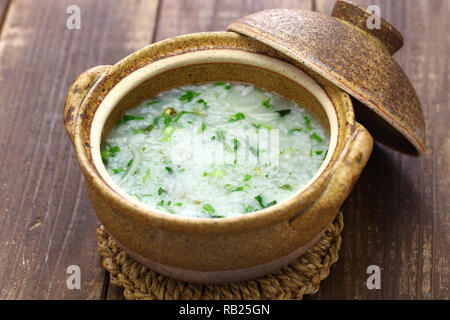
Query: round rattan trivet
(291, 282)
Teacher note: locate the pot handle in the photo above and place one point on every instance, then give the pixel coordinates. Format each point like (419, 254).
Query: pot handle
(76, 94)
(350, 165)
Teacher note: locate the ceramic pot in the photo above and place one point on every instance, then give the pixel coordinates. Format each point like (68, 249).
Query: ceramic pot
(213, 250)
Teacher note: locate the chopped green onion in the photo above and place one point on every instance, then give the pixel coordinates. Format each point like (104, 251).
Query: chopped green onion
(266, 103)
(205, 104)
(249, 209)
(235, 144)
(169, 170)
(238, 189)
(260, 201)
(146, 177)
(307, 123)
(160, 191)
(208, 208)
(130, 163)
(319, 152)
(127, 118)
(314, 136)
(189, 96)
(286, 187)
(272, 203)
(283, 112)
(236, 117)
(247, 177)
(116, 171)
(295, 130)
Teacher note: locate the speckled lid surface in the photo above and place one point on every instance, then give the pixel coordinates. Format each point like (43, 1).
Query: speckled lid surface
(356, 59)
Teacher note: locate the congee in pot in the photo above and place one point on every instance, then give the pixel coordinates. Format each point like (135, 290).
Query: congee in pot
(215, 150)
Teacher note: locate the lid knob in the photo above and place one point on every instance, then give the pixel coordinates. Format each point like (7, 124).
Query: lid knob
(384, 35)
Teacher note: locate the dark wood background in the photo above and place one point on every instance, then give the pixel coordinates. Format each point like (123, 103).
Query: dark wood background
(397, 216)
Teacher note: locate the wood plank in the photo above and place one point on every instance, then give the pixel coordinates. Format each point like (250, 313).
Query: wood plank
(180, 17)
(397, 216)
(46, 220)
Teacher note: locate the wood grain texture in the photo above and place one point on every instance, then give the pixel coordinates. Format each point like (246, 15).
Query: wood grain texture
(178, 17)
(46, 220)
(397, 216)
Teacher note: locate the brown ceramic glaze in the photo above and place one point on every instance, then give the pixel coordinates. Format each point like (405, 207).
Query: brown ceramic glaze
(358, 60)
(213, 250)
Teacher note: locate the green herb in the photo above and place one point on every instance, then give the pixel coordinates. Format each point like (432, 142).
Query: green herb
(109, 152)
(235, 144)
(286, 187)
(319, 152)
(145, 130)
(205, 104)
(130, 163)
(152, 102)
(139, 198)
(219, 173)
(169, 203)
(127, 118)
(307, 123)
(143, 149)
(310, 153)
(189, 96)
(249, 209)
(161, 203)
(267, 127)
(156, 121)
(272, 203)
(295, 130)
(238, 189)
(266, 103)
(160, 191)
(228, 87)
(260, 201)
(169, 130)
(146, 177)
(236, 117)
(167, 120)
(314, 136)
(247, 177)
(283, 112)
(209, 209)
(169, 170)
(178, 204)
(203, 127)
(220, 84)
(257, 126)
(116, 171)
(213, 138)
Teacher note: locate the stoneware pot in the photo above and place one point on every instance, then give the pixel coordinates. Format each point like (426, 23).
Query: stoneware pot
(228, 249)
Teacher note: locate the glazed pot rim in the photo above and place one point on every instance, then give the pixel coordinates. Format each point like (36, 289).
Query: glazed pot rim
(94, 168)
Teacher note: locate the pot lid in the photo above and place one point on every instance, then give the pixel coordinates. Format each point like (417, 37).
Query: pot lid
(342, 49)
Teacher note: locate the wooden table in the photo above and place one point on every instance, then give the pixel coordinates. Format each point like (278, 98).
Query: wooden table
(397, 216)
